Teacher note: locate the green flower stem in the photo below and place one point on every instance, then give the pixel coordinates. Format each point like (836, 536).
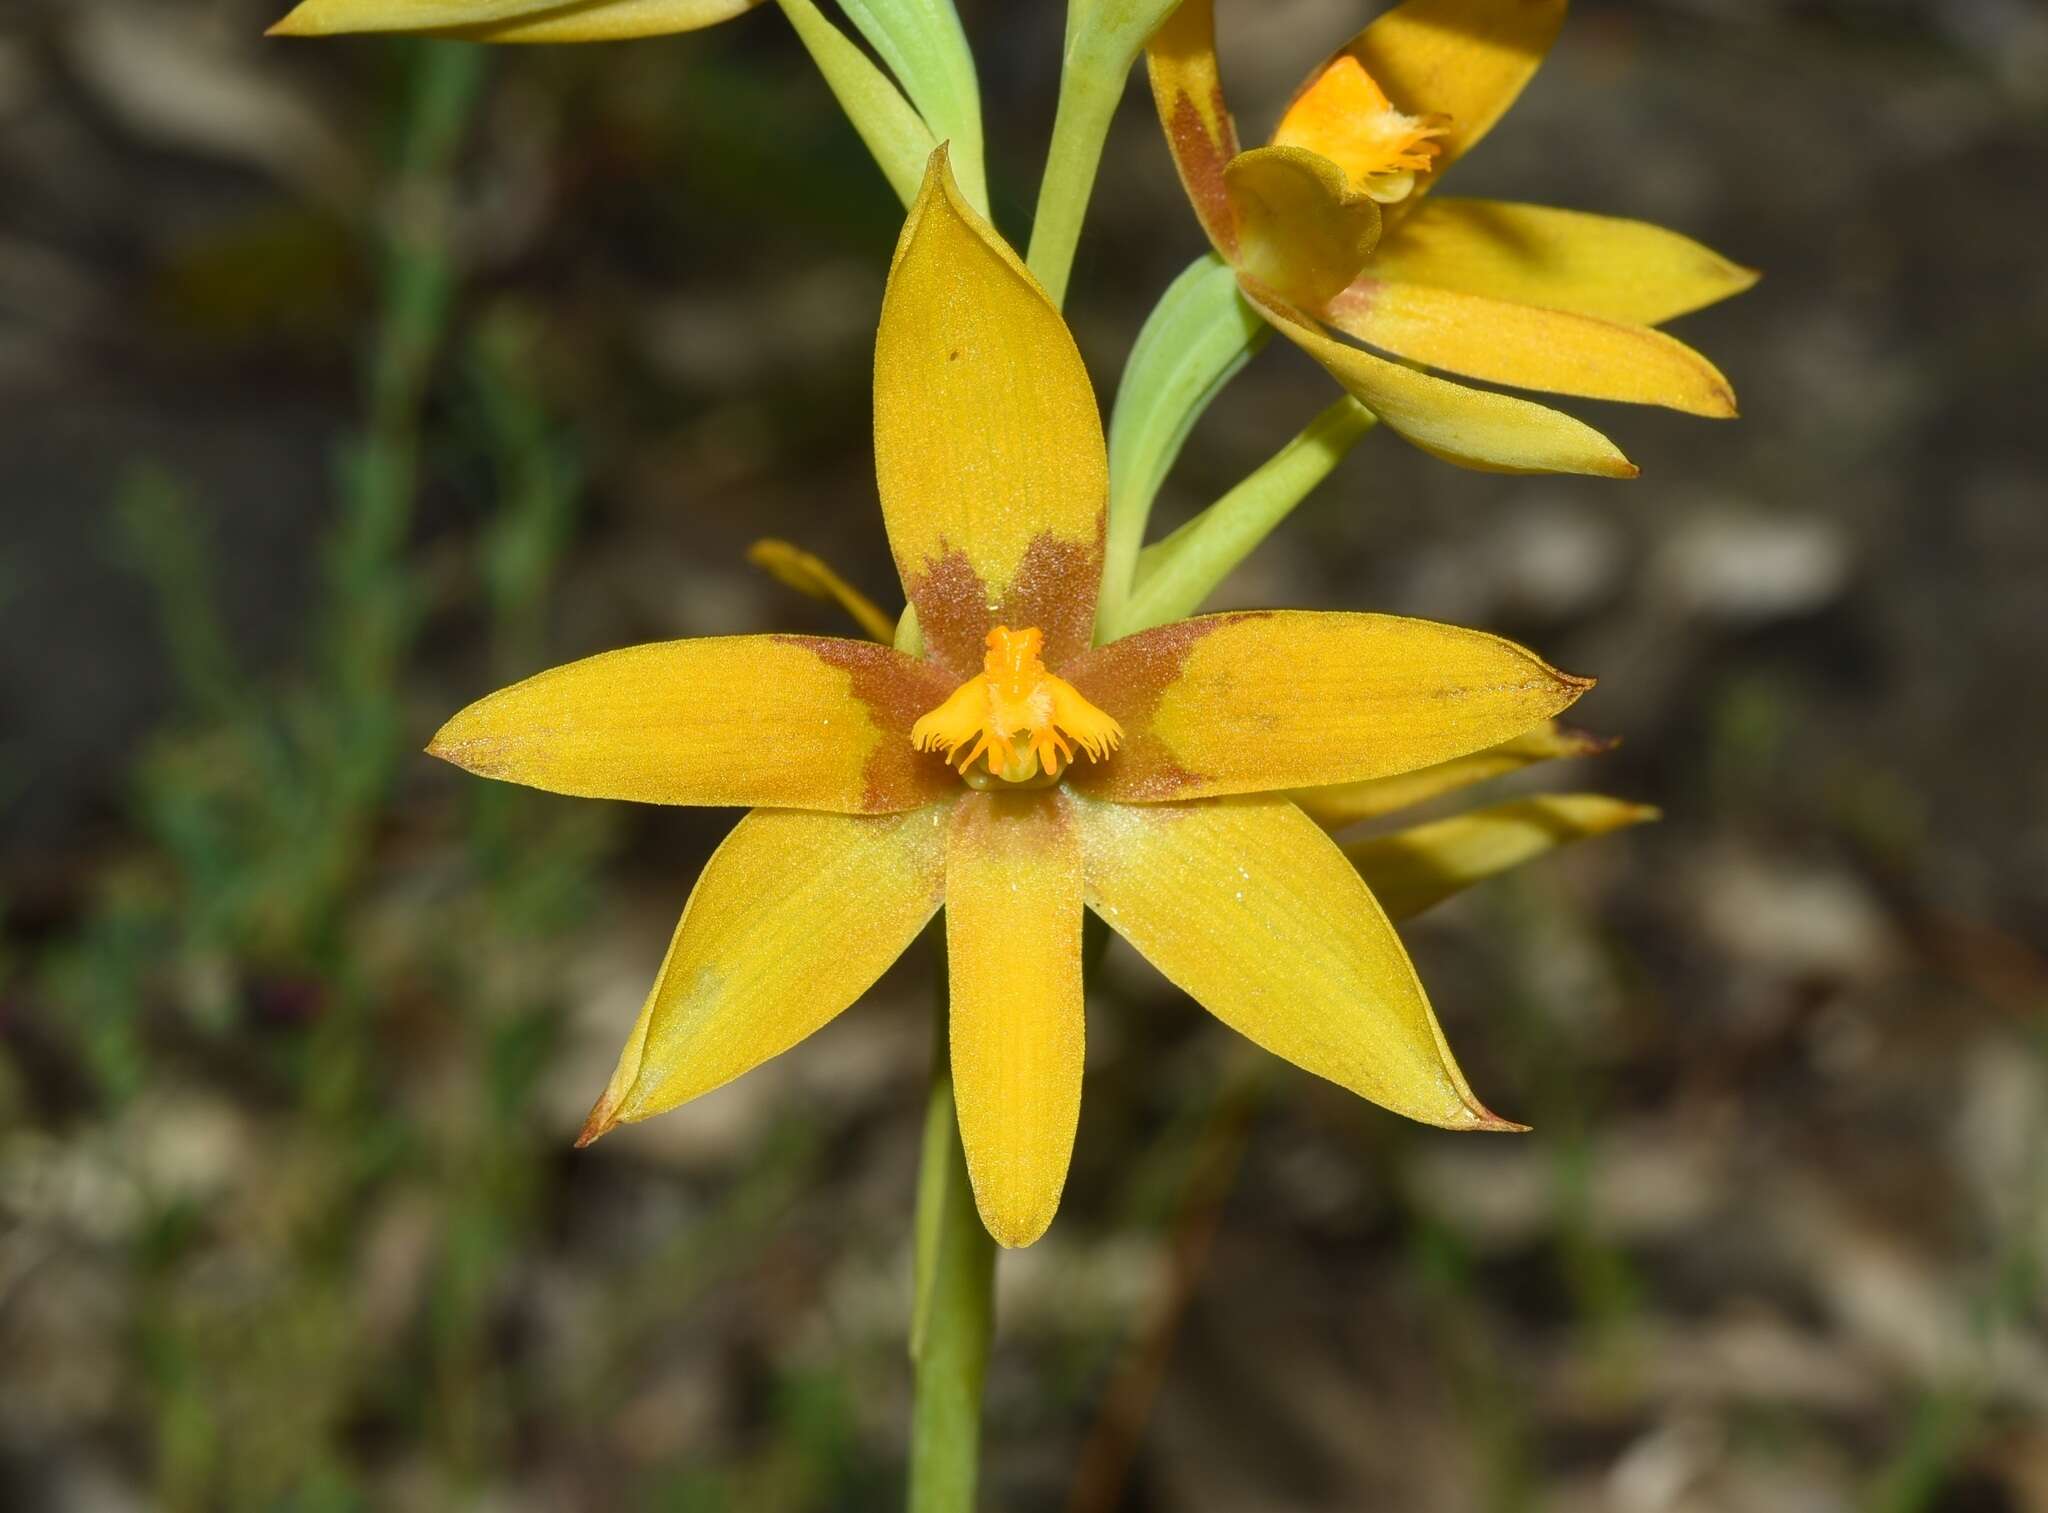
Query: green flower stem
(894, 132)
(953, 1310)
(1177, 574)
(1087, 101)
(1104, 38)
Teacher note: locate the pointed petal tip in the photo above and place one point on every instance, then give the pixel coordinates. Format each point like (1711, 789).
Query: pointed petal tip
(602, 1121)
(1598, 813)
(1612, 463)
(1718, 400)
(1586, 742)
(1490, 1123)
(1484, 1121)
(1015, 1231)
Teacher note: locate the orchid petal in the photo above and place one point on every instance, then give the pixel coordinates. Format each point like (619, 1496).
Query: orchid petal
(1597, 265)
(1013, 949)
(1501, 342)
(1348, 803)
(794, 917)
(1301, 229)
(1244, 703)
(1464, 59)
(988, 447)
(778, 721)
(1250, 909)
(814, 577)
(1187, 88)
(1471, 427)
(510, 20)
(1415, 868)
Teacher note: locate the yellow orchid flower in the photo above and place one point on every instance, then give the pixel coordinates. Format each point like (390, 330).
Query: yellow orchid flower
(1332, 224)
(510, 20)
(1014, 772)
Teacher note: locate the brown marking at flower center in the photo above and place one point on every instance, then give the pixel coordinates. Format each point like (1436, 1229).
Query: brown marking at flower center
(896, 690)
(952, 612)
(1128, 678)
(1054, 588)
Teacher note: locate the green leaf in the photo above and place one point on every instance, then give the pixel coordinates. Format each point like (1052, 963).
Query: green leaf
(1104, 38)
(925, 47)
(1193, 343)
(895, 134)
(1177, 574)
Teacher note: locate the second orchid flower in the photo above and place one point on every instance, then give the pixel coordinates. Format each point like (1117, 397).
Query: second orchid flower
(1330, 226)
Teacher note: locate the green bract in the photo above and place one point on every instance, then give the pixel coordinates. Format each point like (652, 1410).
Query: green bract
(1104, 38)
(1193, 343)
(924, 46)
(897, 136)
(1177, 575)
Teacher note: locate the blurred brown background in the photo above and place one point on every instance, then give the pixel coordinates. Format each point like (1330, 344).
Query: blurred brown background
(340, 383)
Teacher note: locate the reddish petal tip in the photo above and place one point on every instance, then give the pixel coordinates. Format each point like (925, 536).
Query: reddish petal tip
(602, 1122)
(1490, 1123)
(1587, 742)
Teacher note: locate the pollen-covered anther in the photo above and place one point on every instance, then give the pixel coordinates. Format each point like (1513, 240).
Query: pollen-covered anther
(1346, 117)
(1019, 719)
